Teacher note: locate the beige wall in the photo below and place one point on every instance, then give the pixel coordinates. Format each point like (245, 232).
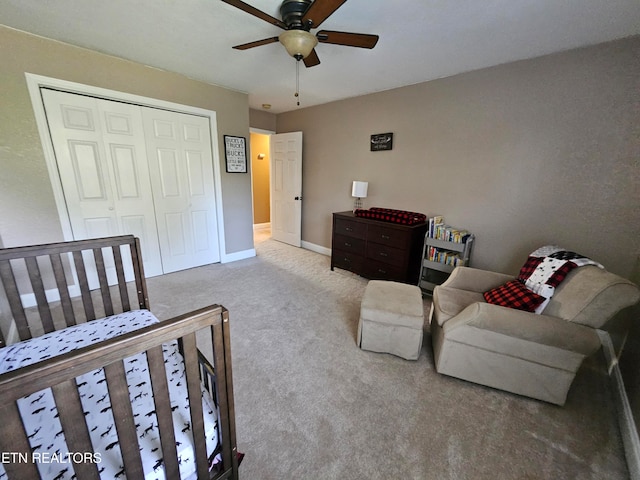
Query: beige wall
(543, 151)
(260, 178)
(27, 209)
(262, 120)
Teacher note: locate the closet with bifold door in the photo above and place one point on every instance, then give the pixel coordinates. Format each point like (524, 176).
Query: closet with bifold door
(133, 169)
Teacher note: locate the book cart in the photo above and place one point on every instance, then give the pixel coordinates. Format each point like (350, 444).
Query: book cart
(445, 248)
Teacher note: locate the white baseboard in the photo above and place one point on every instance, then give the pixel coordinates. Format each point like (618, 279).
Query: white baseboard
(234, 257)
(262, 226)
(628, 429)
(316, 248)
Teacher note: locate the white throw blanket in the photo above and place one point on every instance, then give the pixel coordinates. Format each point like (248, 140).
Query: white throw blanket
(546, 267)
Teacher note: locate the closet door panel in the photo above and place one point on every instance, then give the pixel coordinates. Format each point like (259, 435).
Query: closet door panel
(86, 163)
(102, 161)
(169, 175)
(196, 173)
(123, 135)
(182, 179)
(74, 125)
(125, 172)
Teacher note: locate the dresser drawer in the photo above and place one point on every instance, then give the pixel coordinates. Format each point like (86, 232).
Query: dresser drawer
(350, 228)
(388, 236)
(347, 260)
(386, 254)
(348, 244)
(383, 271)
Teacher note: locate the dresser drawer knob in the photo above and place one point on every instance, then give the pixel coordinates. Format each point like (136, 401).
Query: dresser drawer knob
(348, 229)
(384, 254)
(346, 260)
(384, 272)
(347, 244)
(386, 237)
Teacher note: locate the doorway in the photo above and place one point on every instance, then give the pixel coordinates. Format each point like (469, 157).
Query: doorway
(259, 146)
(284, 162)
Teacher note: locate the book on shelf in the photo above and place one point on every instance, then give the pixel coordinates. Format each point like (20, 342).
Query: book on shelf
(441, 231)
(447, 257)
(434, 222)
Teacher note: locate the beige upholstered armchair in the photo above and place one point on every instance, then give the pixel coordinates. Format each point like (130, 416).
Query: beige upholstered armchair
(519, 351)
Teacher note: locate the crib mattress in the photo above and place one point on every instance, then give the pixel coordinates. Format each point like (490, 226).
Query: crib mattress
(44, 430)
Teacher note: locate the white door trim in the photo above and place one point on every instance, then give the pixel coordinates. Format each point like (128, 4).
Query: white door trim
(35, 82)
(261, 131)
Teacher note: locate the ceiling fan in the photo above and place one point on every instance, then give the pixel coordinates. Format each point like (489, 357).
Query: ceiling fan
(298, 18)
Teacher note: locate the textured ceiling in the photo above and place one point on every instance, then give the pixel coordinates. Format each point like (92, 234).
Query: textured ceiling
(419, 40)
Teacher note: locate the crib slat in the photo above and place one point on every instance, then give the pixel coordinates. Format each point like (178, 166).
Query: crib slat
(158, 373)
(76, 432)
(224, 381)
(13, 296)
(124, 420)
(104, 284)
(206, 372)
(14, 439)
(138, 268)
(122, 283)
(63, 289)
(87, 302)
(41, 297)
(195, 401)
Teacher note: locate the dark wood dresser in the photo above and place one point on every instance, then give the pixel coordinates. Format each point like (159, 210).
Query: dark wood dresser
(377, 250)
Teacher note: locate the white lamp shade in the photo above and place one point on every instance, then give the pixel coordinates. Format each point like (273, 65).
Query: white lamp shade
(359, 189)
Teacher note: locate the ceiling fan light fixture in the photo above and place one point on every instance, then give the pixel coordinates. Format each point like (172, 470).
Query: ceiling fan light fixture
(298, 43)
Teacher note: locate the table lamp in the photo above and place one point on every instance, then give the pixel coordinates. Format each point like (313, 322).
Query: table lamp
(359, 191)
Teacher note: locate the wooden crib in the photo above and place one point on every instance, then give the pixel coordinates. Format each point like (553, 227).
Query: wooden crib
(61, 291)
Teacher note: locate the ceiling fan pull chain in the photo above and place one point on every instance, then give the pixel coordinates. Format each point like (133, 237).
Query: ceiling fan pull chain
(297, 94)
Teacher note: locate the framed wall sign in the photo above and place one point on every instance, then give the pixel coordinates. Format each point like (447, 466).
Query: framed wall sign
(381, 141)
(235, 152)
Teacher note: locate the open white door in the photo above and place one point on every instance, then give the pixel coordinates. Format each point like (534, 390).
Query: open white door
(286, 187)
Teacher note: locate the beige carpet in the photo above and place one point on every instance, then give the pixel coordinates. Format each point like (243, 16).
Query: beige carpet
(311, 405)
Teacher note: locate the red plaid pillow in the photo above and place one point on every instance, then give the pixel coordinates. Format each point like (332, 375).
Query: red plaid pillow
(514, 294)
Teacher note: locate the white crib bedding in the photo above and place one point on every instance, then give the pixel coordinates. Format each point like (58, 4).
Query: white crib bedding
(40, 416)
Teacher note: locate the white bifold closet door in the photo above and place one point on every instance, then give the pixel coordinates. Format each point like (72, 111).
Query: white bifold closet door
(181, 170)
(128, 169)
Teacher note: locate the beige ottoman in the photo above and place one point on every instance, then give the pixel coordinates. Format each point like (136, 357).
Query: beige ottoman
(391, 319)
